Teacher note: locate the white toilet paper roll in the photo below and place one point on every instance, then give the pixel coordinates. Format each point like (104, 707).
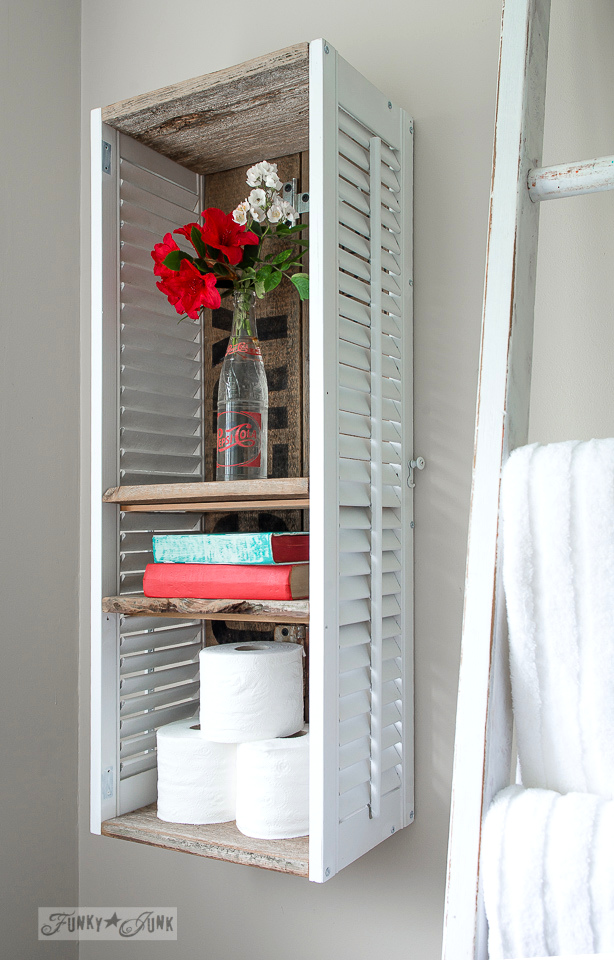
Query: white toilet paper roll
(273, 787)
(251, 691)
(197, 779)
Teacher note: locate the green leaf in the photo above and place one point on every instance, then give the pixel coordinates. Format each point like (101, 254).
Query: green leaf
(173, 259)
(282, 256)
(301, 282)
(264, 272)
(197, 242)
(260, 290)
(273, 281)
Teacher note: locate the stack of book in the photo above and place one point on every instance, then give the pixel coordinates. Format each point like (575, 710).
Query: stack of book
(229, 566)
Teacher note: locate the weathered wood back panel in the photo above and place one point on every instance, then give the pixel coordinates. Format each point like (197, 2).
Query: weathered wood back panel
(283, 339)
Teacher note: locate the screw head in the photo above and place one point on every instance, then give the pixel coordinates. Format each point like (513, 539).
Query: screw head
(325, 48)
(390, 104)
(327, 872)
(412, 524)
(392, 829)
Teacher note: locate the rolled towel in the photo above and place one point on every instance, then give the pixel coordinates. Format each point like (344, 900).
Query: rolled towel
(546, 873)
(557, 504)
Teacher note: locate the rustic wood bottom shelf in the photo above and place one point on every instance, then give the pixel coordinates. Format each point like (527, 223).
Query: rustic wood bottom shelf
(269, 611)
(219, 841)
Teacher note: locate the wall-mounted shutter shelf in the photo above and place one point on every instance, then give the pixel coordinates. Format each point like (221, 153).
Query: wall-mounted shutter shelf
(340, 441)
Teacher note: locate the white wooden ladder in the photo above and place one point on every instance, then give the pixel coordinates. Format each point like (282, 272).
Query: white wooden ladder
(483, 749)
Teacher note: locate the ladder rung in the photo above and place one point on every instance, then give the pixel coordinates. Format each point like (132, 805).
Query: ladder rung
(571, 179)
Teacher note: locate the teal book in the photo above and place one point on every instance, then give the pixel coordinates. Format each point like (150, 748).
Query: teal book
(231, 548)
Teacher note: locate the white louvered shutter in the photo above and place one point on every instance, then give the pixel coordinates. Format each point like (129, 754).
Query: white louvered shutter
(361, 702)
(149, 425)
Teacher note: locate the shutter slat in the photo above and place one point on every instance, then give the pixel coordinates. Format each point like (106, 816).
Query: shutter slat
(356, 705)
(156, 719)
(134, 441)
(354, 517)
(353, 801)
(354, 379)
(354, 729)
(160, 658)
(136, 705)
(353, 425)
(164, 345)
(353, 681)
(158, 186)
(349, 171)
(135, 765)
(354, 494)
(354, 265)
(135, 216)
(355, 243)
(139, 421)
(131, 746)
(352, 195)
(171, 386)
(353, 151)
(354, 129)
(162, 321)
(148, 402)
(354, 332)
(359, 312)
(354, 564)
(352, 776)
(141, 642)
(352, 287)
(354, 471)
(154, 463)
(355, 611)
(354, 752)
(354, 356)
(354, 588)
(148, 361)
(354, 220)
(354, 541)
(161, 678)
(354, 635)
(354, 448)
(355, 657)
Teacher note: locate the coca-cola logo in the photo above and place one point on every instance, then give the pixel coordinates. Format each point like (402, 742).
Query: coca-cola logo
(241, 435)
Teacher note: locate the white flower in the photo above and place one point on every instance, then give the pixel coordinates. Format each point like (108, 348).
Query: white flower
(257, 175)
(257, 198)
(288, 211)
(275, 211)
(273, 182)
(239, 215)
(254, 176)
(257, 214)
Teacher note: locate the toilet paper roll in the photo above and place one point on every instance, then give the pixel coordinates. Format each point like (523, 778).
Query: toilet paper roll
(197, 779)
(273, 787)
(251, 691)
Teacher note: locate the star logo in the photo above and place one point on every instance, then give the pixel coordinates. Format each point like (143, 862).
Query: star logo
(112, 921)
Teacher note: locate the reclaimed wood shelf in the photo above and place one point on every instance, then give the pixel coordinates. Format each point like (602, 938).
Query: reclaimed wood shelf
(219, 841)
(270, 611)
(285, 493)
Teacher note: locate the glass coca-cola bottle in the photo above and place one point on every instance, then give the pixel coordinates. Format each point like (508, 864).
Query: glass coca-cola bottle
(243, 399)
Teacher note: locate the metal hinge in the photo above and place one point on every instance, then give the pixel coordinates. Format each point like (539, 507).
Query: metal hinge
(106, 157)
(418, 464)
(291, 193)
(107, 783)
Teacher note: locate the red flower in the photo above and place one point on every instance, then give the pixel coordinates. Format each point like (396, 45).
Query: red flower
(160, 252)
(221, 232)
(187, 231)
(189, 290)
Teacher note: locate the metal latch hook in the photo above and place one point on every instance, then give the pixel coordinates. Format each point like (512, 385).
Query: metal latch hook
(418, 464)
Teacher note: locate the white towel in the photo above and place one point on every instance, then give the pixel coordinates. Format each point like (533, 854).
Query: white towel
(558, 570)
(547, 874)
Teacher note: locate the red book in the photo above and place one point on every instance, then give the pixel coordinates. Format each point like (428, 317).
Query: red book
(227, 581)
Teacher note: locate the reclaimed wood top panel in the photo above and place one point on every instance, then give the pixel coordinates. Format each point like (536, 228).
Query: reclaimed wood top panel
(220, 841)
(258, 110)
(268, 611)
(218, 492)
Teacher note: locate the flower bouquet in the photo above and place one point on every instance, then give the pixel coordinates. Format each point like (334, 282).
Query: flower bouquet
(230, 249)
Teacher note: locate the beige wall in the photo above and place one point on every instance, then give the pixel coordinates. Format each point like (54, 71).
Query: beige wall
(439, 61)
(39, 467)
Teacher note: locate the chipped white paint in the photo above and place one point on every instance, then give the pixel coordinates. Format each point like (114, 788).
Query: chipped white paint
(571, 179)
